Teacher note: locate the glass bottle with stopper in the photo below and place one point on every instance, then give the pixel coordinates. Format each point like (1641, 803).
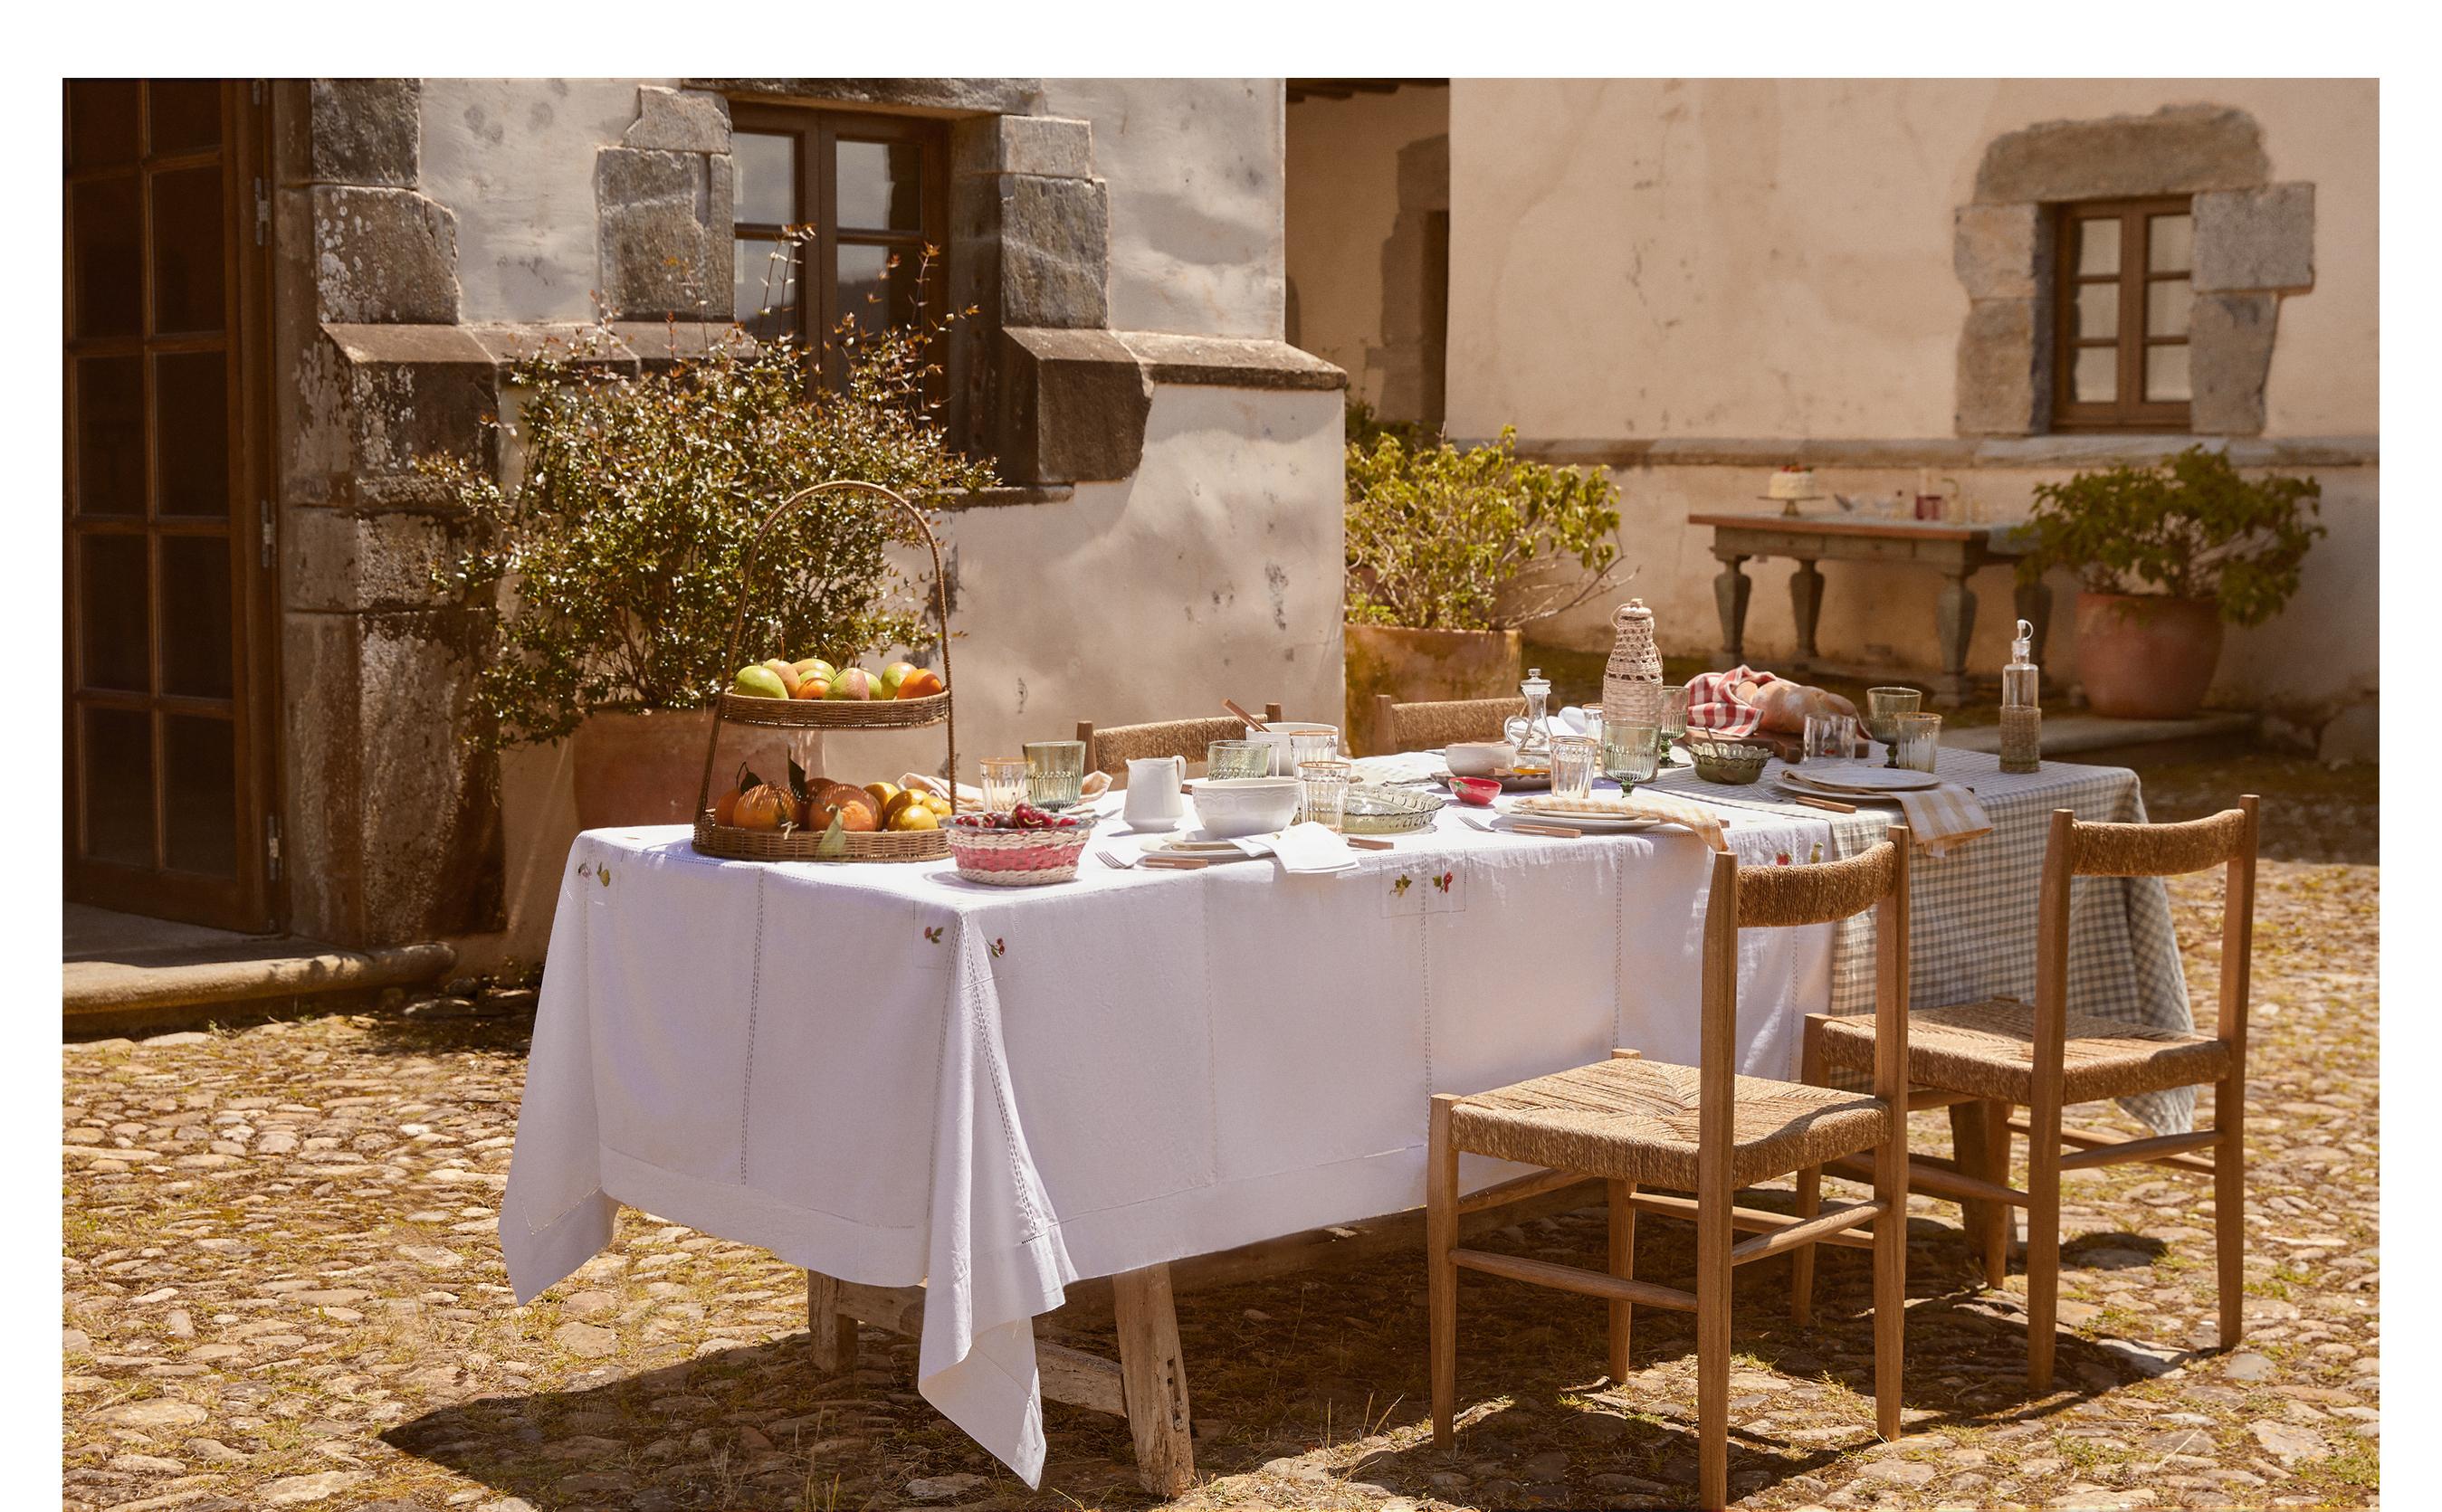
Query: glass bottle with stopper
(2022, 719)
(1532, 732)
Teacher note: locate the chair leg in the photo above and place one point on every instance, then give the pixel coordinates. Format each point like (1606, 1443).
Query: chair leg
(1623, 1265)
(1971, 1140)
(1994, 1237)
(2043, 1242)
(1891, 1275)
(1713, 1357)
(1441, 1272)
(2230, 1204)
(1810, 1195)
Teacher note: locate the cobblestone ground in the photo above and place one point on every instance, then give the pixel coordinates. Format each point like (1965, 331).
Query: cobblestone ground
(283, 1289)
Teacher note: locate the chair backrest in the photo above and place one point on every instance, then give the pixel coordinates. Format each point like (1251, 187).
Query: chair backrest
(1784, 897)
(1111, 748)
(2076, 849)
(1425, 726)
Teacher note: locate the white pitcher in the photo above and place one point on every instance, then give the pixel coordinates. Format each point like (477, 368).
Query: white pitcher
(1153, 799)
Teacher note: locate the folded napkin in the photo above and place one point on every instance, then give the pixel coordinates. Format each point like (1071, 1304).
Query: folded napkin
(1641, 805)
(1310, 848)
(1944, 816)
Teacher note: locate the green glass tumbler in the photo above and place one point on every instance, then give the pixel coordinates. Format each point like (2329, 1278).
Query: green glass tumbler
(1055, 770)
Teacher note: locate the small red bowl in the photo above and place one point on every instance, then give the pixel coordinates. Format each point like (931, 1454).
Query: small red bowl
(1477, 791)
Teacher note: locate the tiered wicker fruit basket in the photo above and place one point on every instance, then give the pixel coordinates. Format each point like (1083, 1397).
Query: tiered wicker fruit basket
(733, 844)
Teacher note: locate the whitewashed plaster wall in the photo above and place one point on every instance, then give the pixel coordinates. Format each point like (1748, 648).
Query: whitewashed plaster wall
(1194, 172)
(1752, 259)
(512, 160)
(1343, 196)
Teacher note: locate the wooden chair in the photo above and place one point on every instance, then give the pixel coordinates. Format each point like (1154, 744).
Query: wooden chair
(1703, 1129)
(1111, 748)
(1426, 726)
(1985, 1059)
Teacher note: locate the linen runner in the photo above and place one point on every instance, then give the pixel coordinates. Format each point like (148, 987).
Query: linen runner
(889, 1075)
(1976, 909)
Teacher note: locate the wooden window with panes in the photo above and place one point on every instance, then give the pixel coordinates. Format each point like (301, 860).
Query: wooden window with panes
(834, 214)
(2125, 292)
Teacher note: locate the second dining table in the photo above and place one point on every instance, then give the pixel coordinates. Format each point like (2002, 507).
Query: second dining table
(895, 1078)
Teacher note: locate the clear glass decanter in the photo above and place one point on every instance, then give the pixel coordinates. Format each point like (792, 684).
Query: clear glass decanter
(1532, 732)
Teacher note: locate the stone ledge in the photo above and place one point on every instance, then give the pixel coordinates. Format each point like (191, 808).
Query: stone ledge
(990, 96)
(90, 988)
(626, 343)
(2022, 452)
(1229, 362)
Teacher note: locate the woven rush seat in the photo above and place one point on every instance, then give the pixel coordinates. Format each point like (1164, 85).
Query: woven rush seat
(1988, 1049)
(1636, 1121)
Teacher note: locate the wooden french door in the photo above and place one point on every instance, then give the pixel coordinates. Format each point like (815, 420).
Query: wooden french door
(168, 558)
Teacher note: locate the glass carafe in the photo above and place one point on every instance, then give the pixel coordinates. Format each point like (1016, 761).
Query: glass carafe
(1532, 732)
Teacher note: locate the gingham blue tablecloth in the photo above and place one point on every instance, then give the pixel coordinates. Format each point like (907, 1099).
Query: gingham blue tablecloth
(1973, 911)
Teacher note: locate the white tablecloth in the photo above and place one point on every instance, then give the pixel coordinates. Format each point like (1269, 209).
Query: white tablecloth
(890, 1075)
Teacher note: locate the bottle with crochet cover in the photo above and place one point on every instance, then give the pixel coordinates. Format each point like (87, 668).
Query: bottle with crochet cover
(1632, 679)
(2022, 719)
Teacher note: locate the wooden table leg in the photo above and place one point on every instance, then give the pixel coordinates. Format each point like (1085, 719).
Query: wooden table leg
(1806, 607)
(1731, 589)
(1154, 1380)
(1955, 620)
(835, 1331)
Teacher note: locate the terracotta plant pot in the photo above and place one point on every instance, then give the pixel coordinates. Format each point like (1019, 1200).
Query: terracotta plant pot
(1423, 667)
(643, 769)
(2142, 656)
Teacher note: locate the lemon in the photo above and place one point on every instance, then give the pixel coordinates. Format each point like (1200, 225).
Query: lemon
(881, 794)
(898, 801)
(914, 816)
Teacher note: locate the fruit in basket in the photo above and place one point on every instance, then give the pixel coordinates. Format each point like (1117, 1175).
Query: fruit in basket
(901, 798)
(914, 816)
(940, 805)
(759, 681)
(764, 807)
(852, 806)
(852, 682)
(786, 672)
(818, 667)
(883, 793)
(919, 682)
(896, 673)
(811, 687)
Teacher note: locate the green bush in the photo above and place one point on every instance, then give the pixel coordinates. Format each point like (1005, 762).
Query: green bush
(1440, 538)
(614, 558)
(2190, 527)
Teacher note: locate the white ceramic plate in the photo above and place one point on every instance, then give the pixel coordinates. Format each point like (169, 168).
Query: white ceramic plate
(1194, 842)
(1516, 808)
(1859, 778)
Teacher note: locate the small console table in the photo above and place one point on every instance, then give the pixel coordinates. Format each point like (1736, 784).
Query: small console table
(1956, 551)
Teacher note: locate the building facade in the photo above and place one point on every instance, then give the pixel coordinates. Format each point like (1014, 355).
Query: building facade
(282, 294)
(1692, 282)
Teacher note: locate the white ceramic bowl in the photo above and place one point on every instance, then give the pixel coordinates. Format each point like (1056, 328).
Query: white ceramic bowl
(1246, 806)
(1479, 759)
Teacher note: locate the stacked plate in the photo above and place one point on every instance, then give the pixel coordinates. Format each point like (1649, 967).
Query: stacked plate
(1849, 782)
(1604, 812)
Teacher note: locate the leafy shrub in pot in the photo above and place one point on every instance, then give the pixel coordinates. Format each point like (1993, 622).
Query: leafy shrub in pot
(2165, 555)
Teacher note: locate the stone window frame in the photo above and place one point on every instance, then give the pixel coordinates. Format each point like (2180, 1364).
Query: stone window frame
(2254, 245)
(2132, 337)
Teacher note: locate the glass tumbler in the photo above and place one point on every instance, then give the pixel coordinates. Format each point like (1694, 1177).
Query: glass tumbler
(1830, 737)
(1882, 705)
(1630, 753)
(1004, 783)
(1225, 759)
(1323, 793)
(1674, 713)
(1574, 760)
(1916, 741)
(1313, 745)
(1055, 770)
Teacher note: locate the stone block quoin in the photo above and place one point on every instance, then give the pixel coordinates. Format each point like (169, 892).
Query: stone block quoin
(2254, 243)
(663, 203)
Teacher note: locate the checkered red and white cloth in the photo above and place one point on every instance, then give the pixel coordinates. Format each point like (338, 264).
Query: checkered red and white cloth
(1713, 702)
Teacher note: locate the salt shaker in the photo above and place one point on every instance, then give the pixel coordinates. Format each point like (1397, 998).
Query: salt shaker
(2022, 722)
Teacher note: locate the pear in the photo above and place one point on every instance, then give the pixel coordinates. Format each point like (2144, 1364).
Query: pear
(759, 681)
(896, 673)
(855, 683)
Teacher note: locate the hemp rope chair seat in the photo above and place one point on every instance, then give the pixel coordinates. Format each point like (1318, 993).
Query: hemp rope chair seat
(1430, 726)
(1110, 748)
(1985, 1059)
(1703, 1129)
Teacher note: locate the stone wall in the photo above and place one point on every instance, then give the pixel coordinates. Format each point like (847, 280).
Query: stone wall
(1177, 536)
(1697, 281)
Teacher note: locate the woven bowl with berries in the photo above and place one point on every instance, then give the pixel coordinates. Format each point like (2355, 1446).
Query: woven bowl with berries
(1024, 847)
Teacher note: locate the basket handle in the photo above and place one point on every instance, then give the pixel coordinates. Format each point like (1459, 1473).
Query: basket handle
(746, 578)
